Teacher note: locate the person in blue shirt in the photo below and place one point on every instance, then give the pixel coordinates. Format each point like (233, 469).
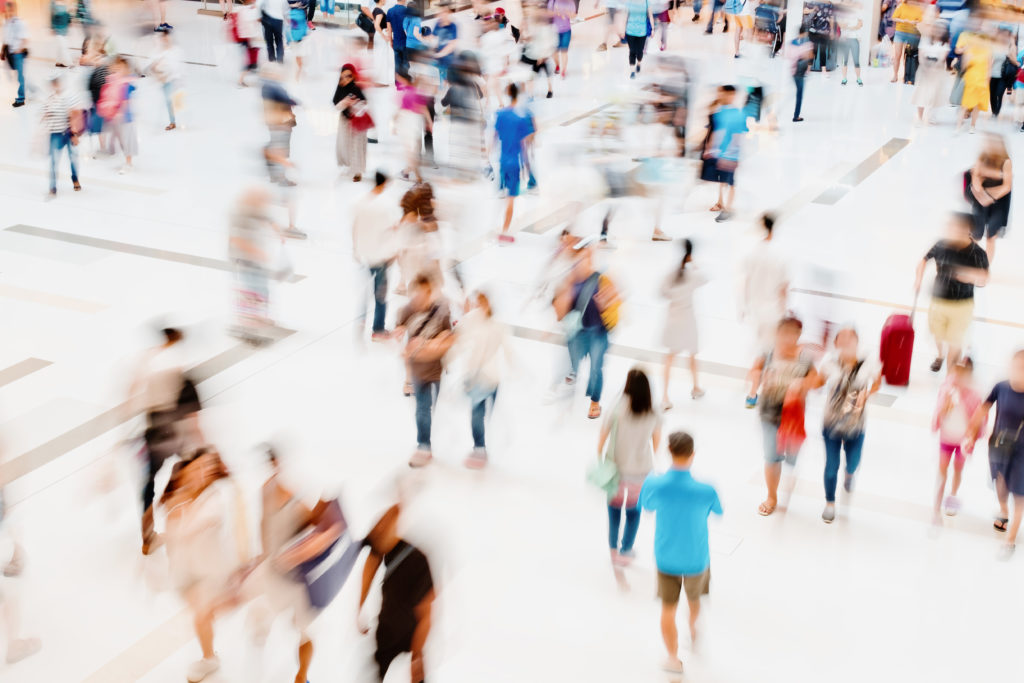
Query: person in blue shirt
(396, 20)
(728, 124)
(512, 130)
(413, 26)
(446, 32)
(681, 505)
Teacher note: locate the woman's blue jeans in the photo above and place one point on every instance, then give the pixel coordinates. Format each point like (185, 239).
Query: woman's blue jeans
(477, 416)
(426, 396)
(59, 141)
(852, 444)
(628, 533)
(593, 342)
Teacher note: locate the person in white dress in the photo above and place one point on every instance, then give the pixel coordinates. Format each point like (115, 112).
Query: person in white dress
(931, 81)
(206, 545)
(765, 286)
(680, 321)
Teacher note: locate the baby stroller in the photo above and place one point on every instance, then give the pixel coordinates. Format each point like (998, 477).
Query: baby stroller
(769, 25)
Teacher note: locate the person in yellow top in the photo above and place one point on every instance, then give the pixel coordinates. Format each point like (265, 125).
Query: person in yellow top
(975, 53)
(906, 17)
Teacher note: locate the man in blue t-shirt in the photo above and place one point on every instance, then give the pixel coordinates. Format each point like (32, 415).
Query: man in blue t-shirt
(728, 124)
(512, 130)
(682, 506)
(396, 21)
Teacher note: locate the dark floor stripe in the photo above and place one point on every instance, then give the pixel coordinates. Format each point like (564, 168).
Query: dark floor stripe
(861, 171)
(104, 422)
(22, 368)
(133, 249)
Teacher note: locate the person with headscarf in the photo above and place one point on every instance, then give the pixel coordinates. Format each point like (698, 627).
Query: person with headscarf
(353, 122)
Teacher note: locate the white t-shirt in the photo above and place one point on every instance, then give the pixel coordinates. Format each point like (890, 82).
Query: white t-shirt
(374, 235)
(765, 275)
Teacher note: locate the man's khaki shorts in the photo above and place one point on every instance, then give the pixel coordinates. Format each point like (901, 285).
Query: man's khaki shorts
(696, 585)
(948, 320)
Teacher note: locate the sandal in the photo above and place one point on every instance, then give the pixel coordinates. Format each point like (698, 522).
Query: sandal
(407, 389)
(1000, 523)
(766, 508)
(595, 411)
(716, 207)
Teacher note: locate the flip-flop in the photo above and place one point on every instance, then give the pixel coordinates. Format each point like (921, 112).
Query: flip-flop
(1000, 523)
(765, 510)
(407, 389)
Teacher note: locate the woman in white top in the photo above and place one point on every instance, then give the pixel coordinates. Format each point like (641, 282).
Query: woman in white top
(632, 432)
(206, 545)
(480, 342)
(680, 321)
(931, 82)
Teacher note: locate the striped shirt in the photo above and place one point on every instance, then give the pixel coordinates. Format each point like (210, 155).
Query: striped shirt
(57, 111)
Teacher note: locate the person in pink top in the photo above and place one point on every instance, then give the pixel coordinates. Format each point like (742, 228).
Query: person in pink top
(562, 13)
(958, 401)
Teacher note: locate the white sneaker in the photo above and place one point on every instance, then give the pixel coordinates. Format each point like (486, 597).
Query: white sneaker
(199, 670)
(477, 460)
(22, 648)
(420, 458)
(673, 666)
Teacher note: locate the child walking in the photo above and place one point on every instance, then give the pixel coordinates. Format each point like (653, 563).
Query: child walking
(958, 400)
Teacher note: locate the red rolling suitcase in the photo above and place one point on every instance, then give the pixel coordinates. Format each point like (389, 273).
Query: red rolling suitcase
(897, 346)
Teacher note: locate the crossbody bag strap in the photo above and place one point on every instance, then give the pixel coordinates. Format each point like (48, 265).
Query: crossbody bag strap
(406, 551)
(587, 292)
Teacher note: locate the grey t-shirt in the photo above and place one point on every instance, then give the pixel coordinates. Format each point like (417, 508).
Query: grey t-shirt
(632, 449)
(844, 387)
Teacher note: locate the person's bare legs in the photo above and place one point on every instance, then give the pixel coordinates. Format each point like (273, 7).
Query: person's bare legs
(203, 623)
(990, 249)
(731, 193)
(667, 375)
(1003, 495)
(694, 613)
(718, 205)
(693, 374)
(509, 206)
(897, 59)
(943, 468)
(305, 657)
(952, 356)
(1018, 513)
(772, 476)
(669, 632)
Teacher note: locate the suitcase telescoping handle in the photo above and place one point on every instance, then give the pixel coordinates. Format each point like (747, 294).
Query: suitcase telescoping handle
(913, 309)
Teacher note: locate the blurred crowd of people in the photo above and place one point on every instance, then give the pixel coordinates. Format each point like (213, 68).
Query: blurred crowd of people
(481, 74)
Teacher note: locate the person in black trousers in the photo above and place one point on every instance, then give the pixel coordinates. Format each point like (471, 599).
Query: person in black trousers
(273, 14)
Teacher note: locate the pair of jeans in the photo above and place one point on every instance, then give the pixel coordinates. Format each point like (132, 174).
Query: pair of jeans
(593, 342)
(17, 61)
(170, 87)
(852, 444)
(716, 7)
(273, 34)
(401, 60)
(59, 141)
(850, 48)
(636, 44)
(628, 533)
(799, 81)
(380, 295)
(476, 420)
(426, 397)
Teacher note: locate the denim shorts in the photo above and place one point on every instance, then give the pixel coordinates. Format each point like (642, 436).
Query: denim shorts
(772, 456)
(564, 39)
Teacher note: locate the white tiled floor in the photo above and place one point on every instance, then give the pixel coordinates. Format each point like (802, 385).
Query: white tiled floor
(526, 593)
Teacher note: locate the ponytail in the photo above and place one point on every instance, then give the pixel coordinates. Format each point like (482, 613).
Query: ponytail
(687, 254)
